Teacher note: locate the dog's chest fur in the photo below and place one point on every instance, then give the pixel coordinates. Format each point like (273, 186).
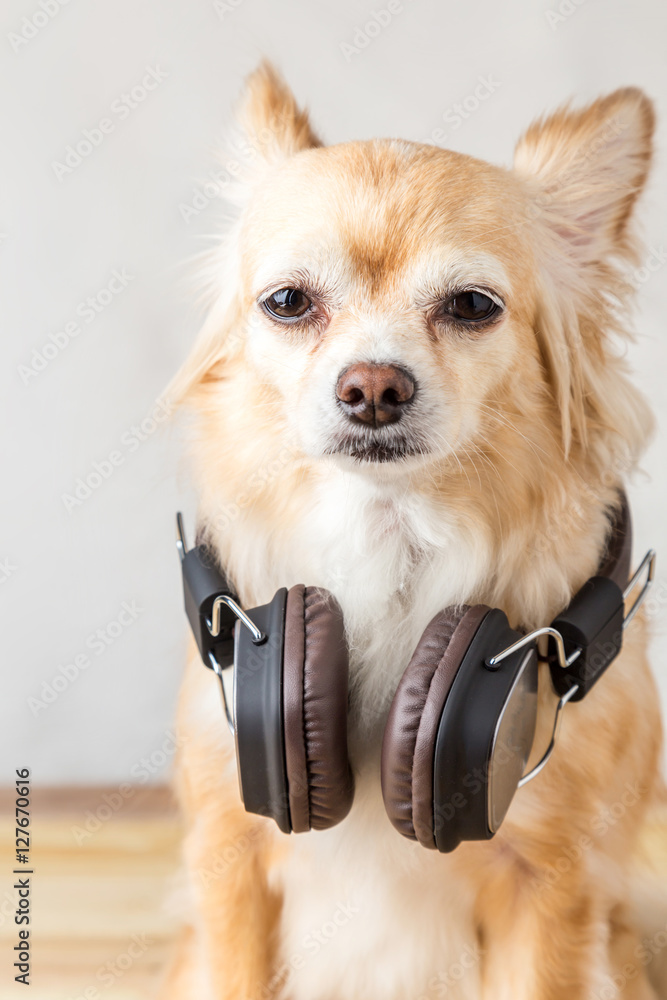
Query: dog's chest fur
(367, 912)
(391, 557)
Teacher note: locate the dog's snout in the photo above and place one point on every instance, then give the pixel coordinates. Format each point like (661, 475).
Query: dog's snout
(374, 394)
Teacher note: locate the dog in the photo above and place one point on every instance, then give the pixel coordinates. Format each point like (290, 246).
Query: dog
(408, 391)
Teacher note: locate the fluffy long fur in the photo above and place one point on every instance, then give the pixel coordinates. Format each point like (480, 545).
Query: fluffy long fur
(527, 431)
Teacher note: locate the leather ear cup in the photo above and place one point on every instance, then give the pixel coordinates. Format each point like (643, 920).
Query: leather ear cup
(408, 747)
(315, 679)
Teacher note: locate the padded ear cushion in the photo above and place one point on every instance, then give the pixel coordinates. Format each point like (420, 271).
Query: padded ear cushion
(315, 675)
(408, 747)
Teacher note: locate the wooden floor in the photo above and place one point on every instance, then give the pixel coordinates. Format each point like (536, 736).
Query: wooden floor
(105, 892)
(104, 895)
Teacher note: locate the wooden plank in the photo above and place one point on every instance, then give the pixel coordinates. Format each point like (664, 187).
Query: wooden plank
(102, 920)
(100, 896)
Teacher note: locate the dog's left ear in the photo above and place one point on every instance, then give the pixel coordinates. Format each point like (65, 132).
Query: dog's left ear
(582, 172)
(586, 170)
(273, 123)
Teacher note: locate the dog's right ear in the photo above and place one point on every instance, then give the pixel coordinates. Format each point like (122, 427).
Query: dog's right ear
(273, 124)
(273, 128)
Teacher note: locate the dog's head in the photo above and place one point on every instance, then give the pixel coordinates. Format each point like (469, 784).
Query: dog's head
(396, 305)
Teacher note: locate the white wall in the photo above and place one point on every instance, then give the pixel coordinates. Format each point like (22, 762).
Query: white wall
(121, 209)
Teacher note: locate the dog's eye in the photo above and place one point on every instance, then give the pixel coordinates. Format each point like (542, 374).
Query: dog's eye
(471, 307)
(287, 303)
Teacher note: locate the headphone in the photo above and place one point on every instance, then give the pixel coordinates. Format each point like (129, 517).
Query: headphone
(461, 725)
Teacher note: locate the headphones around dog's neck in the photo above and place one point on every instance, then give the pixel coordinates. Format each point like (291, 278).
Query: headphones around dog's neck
(461, 725)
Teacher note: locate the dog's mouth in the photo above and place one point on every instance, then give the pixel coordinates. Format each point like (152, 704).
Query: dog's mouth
(375, 449)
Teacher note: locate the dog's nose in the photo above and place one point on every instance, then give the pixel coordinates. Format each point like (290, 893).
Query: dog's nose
(374, 394)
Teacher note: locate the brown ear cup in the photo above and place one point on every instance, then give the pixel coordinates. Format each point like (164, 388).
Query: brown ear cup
(408, 746)
(315, 677)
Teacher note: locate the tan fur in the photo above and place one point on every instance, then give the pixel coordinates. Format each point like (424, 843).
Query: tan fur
(544, 427)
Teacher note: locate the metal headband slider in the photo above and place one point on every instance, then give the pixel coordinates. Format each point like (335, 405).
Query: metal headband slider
(573, 686)
(214, 623)
(563, 660)
(647, 565)
(210, 601)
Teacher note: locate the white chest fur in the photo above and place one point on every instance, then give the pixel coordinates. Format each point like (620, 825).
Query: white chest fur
(393, 561)
(366, 912)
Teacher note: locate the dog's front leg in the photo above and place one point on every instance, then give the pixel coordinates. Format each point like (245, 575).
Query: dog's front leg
(237, 912)
(541, 943)
(228, 950)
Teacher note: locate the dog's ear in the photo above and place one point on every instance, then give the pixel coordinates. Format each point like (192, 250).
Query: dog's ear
(273, 128)
(582, 172)
(273, 124)
(587, 168)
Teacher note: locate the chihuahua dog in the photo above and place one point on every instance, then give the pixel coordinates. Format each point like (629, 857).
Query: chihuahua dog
(409, 391)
